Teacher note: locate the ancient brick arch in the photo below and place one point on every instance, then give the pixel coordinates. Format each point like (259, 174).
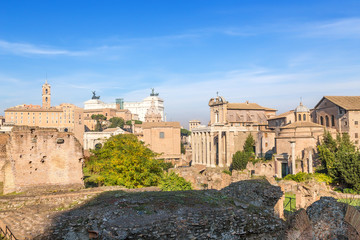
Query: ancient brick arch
(7, 178)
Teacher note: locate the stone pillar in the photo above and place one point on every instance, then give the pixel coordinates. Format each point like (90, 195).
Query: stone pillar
(310, 162)
(212, 151)
(198, 148)
(193, 148)
(202, 148)
(208, 163)
(220, 149)
(293, 165)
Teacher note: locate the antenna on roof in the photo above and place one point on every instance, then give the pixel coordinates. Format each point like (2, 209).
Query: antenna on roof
(217, 94)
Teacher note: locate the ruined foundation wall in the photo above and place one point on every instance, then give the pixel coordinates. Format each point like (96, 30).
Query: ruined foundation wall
(41, 158)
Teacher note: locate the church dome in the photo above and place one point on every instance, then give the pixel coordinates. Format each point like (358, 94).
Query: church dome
(301, 108)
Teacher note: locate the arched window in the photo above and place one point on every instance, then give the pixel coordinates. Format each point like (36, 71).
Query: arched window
(321, 120)
(299, 118)
(327, 120)
(46, 91)
(304, 117)
(332, 121)
(46, 99)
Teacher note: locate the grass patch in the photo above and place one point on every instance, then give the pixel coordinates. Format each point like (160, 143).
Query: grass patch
(351, 201)
(289, 204)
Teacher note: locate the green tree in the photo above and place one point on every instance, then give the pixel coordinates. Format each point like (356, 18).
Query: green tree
(249, 144)
(99, 118)
(182, 147)
(135, 121)
(124, 160)
(341, 159)
(185, 132)
(239, 160)
(117, 122)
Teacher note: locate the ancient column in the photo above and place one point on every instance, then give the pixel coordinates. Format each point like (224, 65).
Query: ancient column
(208, 164)
(212, 151)
(193, 147)
(293, 166)
(202, 147)
(220, 149)
(310, 162)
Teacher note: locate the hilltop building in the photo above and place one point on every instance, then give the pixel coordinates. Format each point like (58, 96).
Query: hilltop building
(66, 117)
(137, 109)
(339, 113)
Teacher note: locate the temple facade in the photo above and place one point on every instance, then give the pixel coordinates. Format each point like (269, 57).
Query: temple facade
(230, 124)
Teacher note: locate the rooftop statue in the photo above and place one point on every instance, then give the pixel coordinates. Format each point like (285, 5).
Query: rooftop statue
(153, 93)
(94, 96)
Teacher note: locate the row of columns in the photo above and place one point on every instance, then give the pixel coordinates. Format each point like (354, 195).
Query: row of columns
(207, 151)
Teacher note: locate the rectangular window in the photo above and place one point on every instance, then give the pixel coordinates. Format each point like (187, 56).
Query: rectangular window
(356, 135)
(162, 135)
(357, 142)
(356, 123)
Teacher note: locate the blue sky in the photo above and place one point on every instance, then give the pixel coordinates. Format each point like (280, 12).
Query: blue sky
(269, 52)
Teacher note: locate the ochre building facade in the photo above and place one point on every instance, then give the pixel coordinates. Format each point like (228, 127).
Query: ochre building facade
(66, 117)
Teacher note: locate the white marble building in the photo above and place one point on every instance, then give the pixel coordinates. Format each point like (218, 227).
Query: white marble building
(138, 108)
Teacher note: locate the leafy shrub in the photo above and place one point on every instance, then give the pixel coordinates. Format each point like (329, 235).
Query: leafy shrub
(351, 191)
(167, 165)
(302, 177)
(227, 172)
(125, 161)
(341, 159)
(173, 182)
(240, 160)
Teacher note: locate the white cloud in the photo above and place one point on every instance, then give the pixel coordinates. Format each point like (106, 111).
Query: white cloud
(342, 28)
(26, 48)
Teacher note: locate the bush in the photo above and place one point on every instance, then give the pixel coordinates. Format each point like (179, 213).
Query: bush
(173, 182)
(240, 160)
(125, 161)
(303, 177)
(227, 172)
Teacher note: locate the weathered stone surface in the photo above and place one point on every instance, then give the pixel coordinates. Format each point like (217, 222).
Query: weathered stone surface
(137, 214)
(259, 193)
(33, 158)
(326, 220)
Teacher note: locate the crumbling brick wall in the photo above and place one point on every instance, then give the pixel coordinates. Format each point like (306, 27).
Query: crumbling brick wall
(34, 157)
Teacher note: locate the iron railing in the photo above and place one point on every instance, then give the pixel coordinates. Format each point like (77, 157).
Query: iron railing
(7, 234)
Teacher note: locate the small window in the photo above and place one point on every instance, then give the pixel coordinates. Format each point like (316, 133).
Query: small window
(299, 117)
(162, 135)
(356, 135)
(304, 117)
(356, 123)
(357, 142)
(332, 121)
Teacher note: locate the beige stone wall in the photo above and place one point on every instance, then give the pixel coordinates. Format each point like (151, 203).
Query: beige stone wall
(40, 158)
(354, 127)
(163, 138)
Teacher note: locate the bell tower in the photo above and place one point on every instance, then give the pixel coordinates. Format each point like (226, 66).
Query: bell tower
(46, 95)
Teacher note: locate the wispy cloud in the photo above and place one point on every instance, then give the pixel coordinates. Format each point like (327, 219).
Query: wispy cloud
(341, 28)
(30, 49)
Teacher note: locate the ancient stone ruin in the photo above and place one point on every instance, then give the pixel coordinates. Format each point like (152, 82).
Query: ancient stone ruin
(39, 158)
